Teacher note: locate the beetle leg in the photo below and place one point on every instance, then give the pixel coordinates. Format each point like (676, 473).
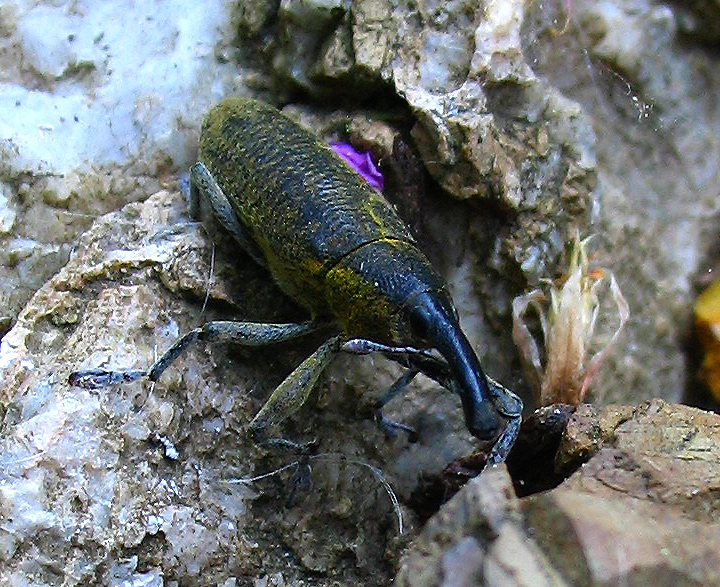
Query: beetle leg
(292, 393)
(228, 331)
(300, 481)
(419, 360)
(203, 185)
(241, 333)
(361, 346)
(387, 425)
(505, 441)
(510, 406)
(505, 401)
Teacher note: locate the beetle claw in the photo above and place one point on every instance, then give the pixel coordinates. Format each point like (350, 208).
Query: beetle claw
(505, 442)
(300, 482)
(285, 444)
(391, 427)
(97, 378)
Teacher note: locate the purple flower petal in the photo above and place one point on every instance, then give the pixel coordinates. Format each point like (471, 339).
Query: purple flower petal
(361, 163)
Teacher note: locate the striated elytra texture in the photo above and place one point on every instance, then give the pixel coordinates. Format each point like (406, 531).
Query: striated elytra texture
(290, 189)
(330, 241)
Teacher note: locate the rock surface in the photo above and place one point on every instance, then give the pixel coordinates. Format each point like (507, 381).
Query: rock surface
(100, 104)
(151, 474)
(537, 117)
(641, 511)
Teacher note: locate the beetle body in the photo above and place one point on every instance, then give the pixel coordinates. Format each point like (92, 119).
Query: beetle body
(337, 247)
(334, 244)
(331, 242)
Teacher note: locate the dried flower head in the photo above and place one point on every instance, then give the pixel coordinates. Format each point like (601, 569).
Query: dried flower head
(568, 326)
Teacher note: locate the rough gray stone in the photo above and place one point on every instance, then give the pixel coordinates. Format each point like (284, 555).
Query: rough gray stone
(151, 474)
(641, 511)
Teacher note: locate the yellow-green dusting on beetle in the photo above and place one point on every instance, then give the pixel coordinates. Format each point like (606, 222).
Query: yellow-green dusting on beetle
(336, 246)
(297, 201)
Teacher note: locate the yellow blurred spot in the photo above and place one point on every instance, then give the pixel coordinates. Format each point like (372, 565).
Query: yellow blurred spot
(707, 320)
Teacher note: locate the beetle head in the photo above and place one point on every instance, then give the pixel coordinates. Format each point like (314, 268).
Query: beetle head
(434, 323)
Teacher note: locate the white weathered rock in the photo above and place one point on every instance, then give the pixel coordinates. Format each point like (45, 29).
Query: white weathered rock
(110, 93)
(109, 82)
(137, 482)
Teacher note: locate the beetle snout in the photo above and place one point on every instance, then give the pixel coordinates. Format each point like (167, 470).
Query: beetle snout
(484, 422)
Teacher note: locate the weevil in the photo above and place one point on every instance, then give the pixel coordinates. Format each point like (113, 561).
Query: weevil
(337, 247)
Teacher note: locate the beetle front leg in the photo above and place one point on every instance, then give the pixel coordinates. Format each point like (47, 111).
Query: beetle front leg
(401, 355)
(505, 402)
(241, 333)
(390, 427)
(509, 406)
